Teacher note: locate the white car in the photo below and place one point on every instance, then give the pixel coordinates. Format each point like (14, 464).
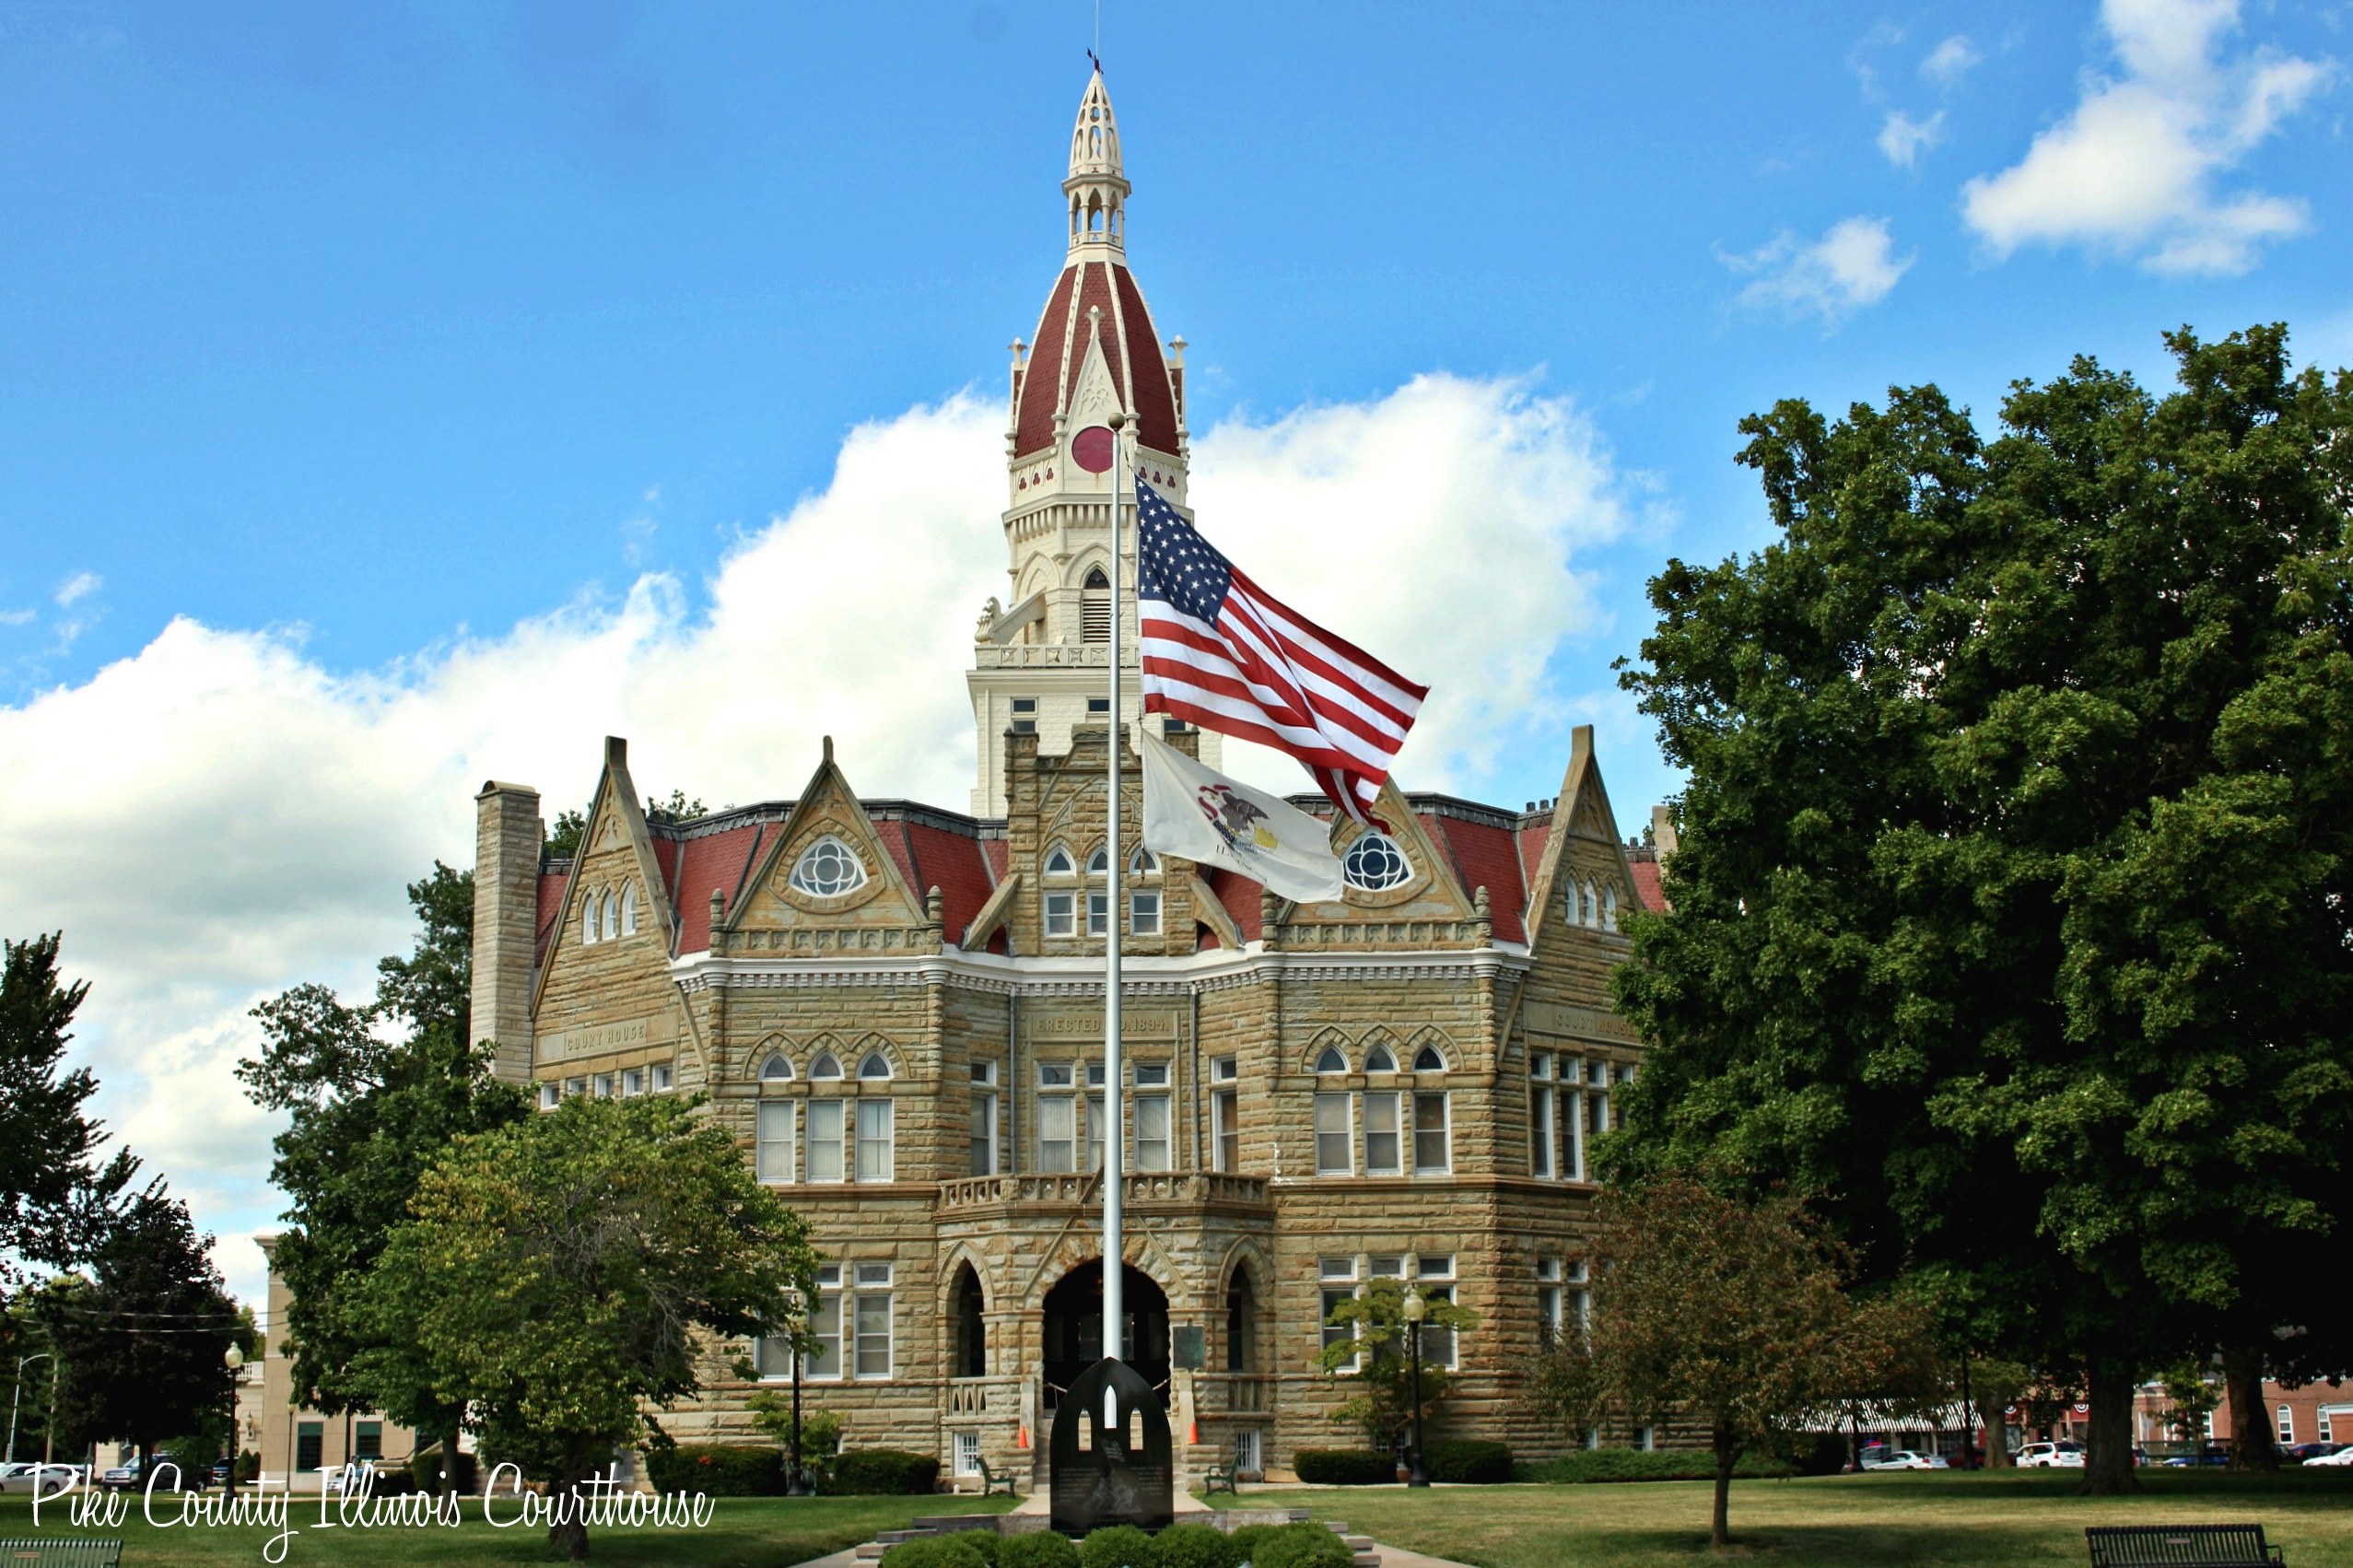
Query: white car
(1903, 1459)
(20, 1478)
(2342, 1457)
(2049, 1456)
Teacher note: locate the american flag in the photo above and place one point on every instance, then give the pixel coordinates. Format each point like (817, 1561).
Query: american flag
(1221, 652)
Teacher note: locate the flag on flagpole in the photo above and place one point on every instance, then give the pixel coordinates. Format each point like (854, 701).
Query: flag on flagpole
(1199, 814)
(1221, 652)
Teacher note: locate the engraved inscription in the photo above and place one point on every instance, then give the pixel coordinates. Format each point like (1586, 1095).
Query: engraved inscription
(1584, 1023)
(595, 1039)
(1138, 1023)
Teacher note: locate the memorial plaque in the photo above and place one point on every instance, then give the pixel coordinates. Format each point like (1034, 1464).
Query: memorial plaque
(1190, 1344)
(1110, 1453)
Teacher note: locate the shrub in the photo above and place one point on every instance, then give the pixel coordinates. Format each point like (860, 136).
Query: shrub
(964, 1549)
(393, 1483)
(1467, 1459)
(1037, 1549)
(1117, 1546)
(1244, 1542)
(718, 1469)
(1194, 1546)
(1301, 1546)
(1633, 1464)
(426, 1468)
(1344, 1467)
(886, 1472)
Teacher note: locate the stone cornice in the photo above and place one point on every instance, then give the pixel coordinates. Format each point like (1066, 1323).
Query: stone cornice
(1190, 975)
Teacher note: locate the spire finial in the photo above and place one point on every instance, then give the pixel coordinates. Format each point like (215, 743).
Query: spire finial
(1097, 187)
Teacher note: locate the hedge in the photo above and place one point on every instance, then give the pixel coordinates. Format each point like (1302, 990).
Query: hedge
(1635, 1464)
(1194, 1546)
(1117, 1546)
(1468, 1459)
(886, 1472)
(961, 1548)
(1344, 1467)
(1037, 1549)
(718, 1469)
(1301, 1546)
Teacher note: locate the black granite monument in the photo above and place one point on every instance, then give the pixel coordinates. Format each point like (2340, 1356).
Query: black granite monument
(1110, 1453)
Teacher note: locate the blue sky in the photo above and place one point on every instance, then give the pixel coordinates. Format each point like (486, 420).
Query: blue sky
(393, 352)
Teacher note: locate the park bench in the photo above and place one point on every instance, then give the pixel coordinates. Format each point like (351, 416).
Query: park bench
(991, 1484)
(61, 1551)
(1217, 1478)
(2180, 1546)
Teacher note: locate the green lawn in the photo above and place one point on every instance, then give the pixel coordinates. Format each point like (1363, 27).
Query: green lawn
(1874, 1520)
(746, 1532)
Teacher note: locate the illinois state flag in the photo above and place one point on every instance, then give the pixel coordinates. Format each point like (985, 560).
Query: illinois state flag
(1200, 814)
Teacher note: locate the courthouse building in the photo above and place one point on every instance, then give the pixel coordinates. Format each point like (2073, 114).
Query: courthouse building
(898, 1011)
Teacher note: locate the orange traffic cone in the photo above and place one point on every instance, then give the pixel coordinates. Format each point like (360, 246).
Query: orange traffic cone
(1022, 1439)
(1193, 1432)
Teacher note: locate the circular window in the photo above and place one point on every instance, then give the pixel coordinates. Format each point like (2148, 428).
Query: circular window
(828, 868)
(1376, 864)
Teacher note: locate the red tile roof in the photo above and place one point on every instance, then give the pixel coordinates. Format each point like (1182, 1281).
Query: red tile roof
(1646, 882)
(1484, 856)
(551, 904)
(711, 860)
(1129, 343)
(936, 857)
(1240, 896)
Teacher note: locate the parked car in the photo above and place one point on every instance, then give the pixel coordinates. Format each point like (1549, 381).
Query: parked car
(2305, 1453)
(21, 1478)
(2213, 1455)
(1902, 1460)
(2051, 1457)
(352, 1474)
(2344, 1456)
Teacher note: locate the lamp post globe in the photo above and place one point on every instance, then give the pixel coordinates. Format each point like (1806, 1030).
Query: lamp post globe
(1414, 1310)
(232, 1358)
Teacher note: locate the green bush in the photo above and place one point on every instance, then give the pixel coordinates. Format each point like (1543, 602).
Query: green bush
(718, 1469)
(886, 1472)
(1467, 1459)
(426, 1468)
(1633, 1464)
(1194, 1546)
(1344, 1467)
(964, 1549)
(1244, 1542)
(1117, 1546)
(1301, 1546)
(1037, 1549)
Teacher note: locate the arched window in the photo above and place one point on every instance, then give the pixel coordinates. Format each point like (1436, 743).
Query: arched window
(825, 1066)
(629, 910)
(1098, 863)
(1094, 607)
(876, 1065)
(1375, 863)
(612, 916)
(1609, 908)
(1427, 1060)
(972, 1331)
(776, 1069)
(1059, 863)
(593, 919)
(1331, 1060)
(829, 868)
(1143, 863)
(1143, 900)
(1379, 1059)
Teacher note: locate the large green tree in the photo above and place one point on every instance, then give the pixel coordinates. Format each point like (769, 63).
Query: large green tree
(56, 1190)
(562, 1273)
(374, 1096)
(2010, 908)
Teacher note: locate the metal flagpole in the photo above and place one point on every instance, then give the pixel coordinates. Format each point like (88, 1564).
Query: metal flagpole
(1114, 1131)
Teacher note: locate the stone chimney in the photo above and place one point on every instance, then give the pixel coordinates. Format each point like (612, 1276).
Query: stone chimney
(507, 837)
(1662, 831)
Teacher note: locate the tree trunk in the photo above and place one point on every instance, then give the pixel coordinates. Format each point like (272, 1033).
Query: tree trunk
(1997, 1441)
(2108, 1458)
(2252, 1446)
(1727, 1452)
(568, 1533)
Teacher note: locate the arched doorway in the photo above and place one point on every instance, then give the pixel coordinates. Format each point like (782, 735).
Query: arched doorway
(1241, 1322)
(971, 1347)
(1074, 1326)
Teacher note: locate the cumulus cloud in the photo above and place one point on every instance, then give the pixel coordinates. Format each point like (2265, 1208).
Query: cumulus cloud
(1950, 61)
(1853, 264)
(219, 816)
(2139, 168)
(1903, 139)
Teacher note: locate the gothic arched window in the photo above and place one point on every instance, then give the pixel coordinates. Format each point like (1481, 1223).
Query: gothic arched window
(1375, 863)
(829, 868)
(1331, 1060)
(1379, 1059)
(825, 1066)
(776, 1068)
(1094, 607)
(1427, 1060)
(629, 910)
(876, 1065)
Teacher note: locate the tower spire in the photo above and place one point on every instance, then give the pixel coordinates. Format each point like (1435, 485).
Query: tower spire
(1097, 187)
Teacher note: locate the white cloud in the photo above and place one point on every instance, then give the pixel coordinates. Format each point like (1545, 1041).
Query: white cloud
(218, 816)
(79, 586)
(1903, 139)
(1853, 264)
(2137, 168)
(1950, 61)
(22, 617)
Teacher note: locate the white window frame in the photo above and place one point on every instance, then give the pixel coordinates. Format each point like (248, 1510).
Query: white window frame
(2286, 1425)
(1225, 1130)
(871, 1295)
(775, 1147)
(633, 1083)
(824, 1328)
(1343, 1138)
(550, 1094)
(877, 1128)
(662, 1077)
(1155, 1133)
(966, 1449)
(803, 879)
(1336, 1282)
(1433, 1276)
(1444, 1102)
(1378, 1100)
(828, 1145)
(1061, 913)
(629, 908)
(986, 1144)
(1543, 1120)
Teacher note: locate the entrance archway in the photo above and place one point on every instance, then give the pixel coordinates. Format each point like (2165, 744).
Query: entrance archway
(1074, 1326)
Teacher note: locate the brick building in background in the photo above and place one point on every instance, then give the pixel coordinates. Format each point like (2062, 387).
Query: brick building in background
(898, 1011)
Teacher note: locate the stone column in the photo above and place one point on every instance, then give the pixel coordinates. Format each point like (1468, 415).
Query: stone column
(508, 833)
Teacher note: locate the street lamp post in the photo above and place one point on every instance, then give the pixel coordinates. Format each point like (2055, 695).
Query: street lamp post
(1415, 1310)
(234, 1359)
(796, 1484)
(16, 1394)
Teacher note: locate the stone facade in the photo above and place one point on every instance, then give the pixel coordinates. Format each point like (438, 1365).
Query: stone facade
(896, 1011)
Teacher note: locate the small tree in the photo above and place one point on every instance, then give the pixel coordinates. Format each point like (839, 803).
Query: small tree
(820, 1430)
(563, 1272)
(1376, 1357)
(2193, 1392)
(1730, 1313)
